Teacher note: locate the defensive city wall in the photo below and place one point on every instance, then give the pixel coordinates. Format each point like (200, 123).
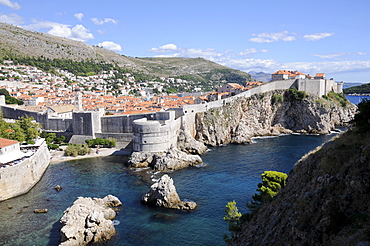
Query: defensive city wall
(20, 178)
(154, 131)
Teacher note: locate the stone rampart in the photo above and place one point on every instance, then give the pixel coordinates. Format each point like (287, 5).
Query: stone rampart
(122, 123)
(20, 178)
(156, 135)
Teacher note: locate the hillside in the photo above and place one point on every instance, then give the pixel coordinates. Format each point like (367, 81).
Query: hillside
(326, 200)
(20, 42)
(361, 89)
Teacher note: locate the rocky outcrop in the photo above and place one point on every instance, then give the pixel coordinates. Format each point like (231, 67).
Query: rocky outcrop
(326, 200)
(271, 113)
(163, 194)
(171, 159)
(187, 144)
(88, 220)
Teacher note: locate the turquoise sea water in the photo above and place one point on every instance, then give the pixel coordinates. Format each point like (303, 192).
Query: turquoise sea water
(230, 173)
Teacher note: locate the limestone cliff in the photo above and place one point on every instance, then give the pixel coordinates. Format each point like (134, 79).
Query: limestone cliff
(326, 200)
(270, 113)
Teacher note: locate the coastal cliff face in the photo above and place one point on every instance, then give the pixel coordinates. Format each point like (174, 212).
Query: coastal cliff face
(271, 113)
(326, 200)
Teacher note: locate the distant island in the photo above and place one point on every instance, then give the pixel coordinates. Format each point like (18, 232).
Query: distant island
(361, 89)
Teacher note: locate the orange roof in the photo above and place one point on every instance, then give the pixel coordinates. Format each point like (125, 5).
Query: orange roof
(6, 142)
(282, 72)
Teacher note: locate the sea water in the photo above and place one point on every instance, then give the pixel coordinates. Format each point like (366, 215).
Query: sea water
(229, 173)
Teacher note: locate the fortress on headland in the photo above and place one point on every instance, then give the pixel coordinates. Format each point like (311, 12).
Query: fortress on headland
(156, 132)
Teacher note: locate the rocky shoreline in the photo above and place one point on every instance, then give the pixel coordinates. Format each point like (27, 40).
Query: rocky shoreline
(270, 114)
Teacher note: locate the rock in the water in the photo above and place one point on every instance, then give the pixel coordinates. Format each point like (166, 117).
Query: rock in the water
(58, 188)
(171, 159)
(88, 220)
(163, 194)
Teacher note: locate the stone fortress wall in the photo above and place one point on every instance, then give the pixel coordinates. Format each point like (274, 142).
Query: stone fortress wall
(20, 178)
(155, 131)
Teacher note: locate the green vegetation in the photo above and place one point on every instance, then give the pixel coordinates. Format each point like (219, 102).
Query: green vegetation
(294, 94)
(272, 182)
(9, 99)
(276, 98)
(362, 118)
(99, 142)
(232, 217)
(24, 129)
(80, 68)
(341, 97)
(361, 89)
(77, 149)
(51, 139)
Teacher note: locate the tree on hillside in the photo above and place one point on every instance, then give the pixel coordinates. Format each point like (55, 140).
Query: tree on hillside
(272, 182)
(9, 99)
(232, 217)
(29, 127)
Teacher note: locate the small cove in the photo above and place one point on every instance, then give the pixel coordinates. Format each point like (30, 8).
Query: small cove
(230, 173)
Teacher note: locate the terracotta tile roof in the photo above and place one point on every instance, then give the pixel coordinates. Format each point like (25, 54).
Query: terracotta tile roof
(6, 142)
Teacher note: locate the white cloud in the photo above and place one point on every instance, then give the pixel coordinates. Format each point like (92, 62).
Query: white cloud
(317, 36)
(98, 21)
(79, 16)
(110, 46)
(329, 66)
(173, 51)
(273, 37)
(339, 55)
(165, 48)
(234, 60)
(78, 32)
(10, 4)
(61, 31)
(248, 52)
(11, 19)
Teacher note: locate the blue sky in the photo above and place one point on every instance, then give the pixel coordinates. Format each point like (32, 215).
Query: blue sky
(255, 35)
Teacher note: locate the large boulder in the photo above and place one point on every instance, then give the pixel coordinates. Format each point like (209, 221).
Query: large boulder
(172, 159)
(88, 220)
(163, 194)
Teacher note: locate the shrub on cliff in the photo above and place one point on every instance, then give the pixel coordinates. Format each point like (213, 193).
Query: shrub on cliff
(340, 97)
(294, 94)
(232, 217)
(272, 182)
(276, 98)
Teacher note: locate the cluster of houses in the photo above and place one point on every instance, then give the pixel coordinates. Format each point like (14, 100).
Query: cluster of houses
(285, 75)
(52, 94)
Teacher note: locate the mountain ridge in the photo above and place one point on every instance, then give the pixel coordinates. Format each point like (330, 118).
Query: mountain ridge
(18, 41)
